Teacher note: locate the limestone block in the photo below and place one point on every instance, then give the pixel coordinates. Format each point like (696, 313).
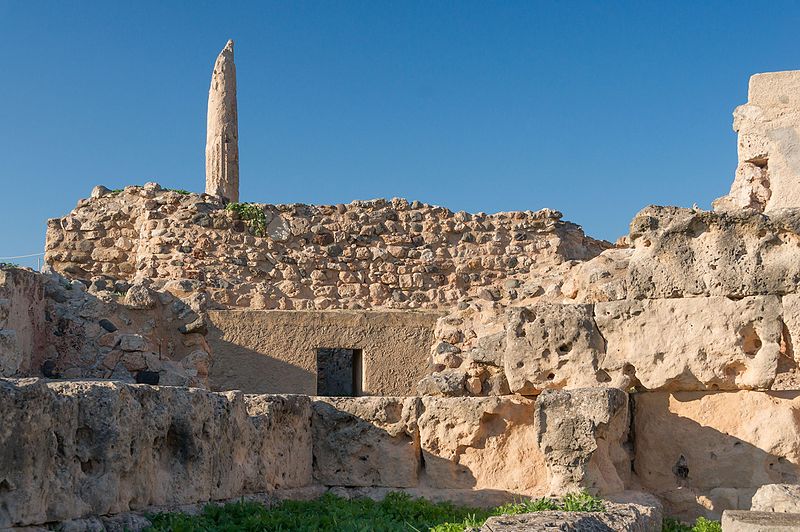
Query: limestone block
(481, 443)
(692, 343)
(10, 356)
(705, 452)
(366, 441)
(768, 175)
(685, 252)
(642, 513)
(73, 449)
(583, 437)
(777, 498)
(281, 453)
(743, 521)
(549, 345)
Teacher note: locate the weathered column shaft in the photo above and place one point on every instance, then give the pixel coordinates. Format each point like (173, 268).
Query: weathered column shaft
(222, 136)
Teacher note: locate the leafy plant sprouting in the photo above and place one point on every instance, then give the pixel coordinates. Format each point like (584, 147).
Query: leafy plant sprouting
(701, 525)
(581, 502)
(252, 214)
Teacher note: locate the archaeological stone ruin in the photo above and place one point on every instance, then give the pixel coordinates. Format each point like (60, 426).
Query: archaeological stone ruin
(180, 348)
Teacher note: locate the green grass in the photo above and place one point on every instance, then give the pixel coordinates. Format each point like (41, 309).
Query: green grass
(397, 512)
(701, 525)
(7, 265)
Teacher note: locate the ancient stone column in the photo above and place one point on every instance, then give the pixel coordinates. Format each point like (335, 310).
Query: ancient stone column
(222, 135)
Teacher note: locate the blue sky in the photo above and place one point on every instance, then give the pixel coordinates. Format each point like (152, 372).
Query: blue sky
(592, 108)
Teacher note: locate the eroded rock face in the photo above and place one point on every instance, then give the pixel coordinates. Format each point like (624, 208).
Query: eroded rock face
(768, 175)
(777, 498)
(680, 252)
(22, 327)
(222, 135)
(692, 343)
(583, 437)
(72, 449)
(366, 441)
(481, 443)
(551, 346)
(705, 452)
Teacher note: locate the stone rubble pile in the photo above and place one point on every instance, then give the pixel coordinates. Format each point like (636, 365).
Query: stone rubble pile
(57, 328)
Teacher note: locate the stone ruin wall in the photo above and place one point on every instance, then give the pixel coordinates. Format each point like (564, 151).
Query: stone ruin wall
(75, 449)
(768, 174)
(22, 304)
(699, 317)
(55, 328)
(364, 255)
(695, 313)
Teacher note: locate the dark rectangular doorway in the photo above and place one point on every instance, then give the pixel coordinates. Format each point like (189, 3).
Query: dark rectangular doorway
(339, 372)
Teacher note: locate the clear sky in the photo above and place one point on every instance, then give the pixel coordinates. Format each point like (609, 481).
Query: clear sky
(592, 108)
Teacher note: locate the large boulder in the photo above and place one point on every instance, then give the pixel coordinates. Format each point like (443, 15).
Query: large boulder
(549, 345)
(366, 441)
(479, 443)
(692, 343)
(777, 498)
(78, 448)
(583, 436)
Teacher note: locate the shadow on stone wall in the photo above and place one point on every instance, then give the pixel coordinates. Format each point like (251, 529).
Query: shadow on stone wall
(700, 470)
(239, 368)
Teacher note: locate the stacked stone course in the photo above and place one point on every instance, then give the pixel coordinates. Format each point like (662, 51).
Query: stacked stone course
(368, 254)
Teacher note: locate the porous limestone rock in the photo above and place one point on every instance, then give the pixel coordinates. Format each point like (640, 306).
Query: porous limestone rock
(630, 512)
(583, 436)
(768, 175)
(22, 324)
(743, 521)
(550, 345)
(680, 252)
(366, 441)
(777, 498)
(481, 443)
(222, 135)
(705, 452)
(692, 343)
(78, 448)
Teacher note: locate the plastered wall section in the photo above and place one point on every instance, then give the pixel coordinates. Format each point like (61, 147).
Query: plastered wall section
(274, 351)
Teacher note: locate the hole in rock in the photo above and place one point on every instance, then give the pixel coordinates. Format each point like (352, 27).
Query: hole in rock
(147, 377)
(339, 372)
(681, 468)
(751, 342)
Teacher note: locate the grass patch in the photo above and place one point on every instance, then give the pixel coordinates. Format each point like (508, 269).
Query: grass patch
(252, 214)
(397, 512)
(701, 525)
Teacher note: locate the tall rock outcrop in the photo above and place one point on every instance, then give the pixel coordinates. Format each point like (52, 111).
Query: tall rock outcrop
(222, 137)
(768, 173)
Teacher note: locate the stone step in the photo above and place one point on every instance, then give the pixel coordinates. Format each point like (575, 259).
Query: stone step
(744, 521)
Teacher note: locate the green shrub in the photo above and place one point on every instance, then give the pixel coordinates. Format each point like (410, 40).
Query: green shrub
(397, 512)
(581, 502)
(7, 265)
(701, 525)
(252, 214)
